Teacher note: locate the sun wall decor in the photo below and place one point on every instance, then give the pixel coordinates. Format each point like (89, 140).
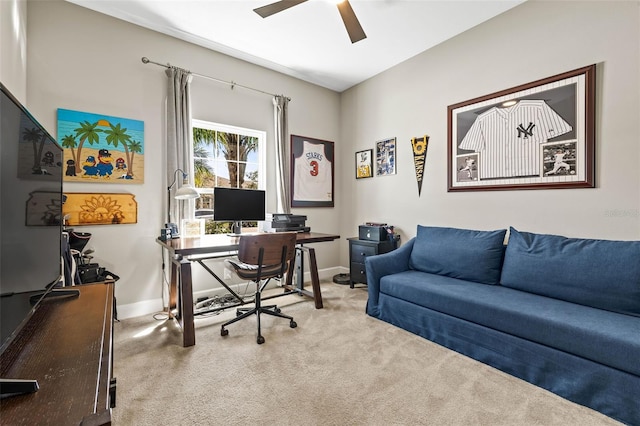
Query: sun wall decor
(82, 208)
(101, 148)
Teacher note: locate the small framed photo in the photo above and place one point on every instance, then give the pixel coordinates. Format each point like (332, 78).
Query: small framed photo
(192, 228)
(386, 157)
(364, 164)
(540, 135)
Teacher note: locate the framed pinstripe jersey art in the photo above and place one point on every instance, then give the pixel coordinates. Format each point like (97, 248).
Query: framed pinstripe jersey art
(539, 135)
(311, 172)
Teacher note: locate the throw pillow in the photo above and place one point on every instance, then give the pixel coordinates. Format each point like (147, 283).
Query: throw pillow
(602, 274)
(459, 253)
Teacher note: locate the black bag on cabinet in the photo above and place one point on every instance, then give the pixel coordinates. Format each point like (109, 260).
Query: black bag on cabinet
(93, 272)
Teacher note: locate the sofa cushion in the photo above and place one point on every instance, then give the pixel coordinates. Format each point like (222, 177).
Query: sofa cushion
(602, 336)
(459, 253)
(599, 273)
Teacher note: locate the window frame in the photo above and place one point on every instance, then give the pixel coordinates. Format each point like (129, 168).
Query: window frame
(261, 136)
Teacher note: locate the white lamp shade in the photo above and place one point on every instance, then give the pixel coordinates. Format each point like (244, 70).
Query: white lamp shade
(186, 192)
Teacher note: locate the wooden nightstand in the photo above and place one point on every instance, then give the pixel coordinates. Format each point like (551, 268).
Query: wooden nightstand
(359, 250)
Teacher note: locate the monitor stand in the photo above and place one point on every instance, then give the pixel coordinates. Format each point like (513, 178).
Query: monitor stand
(236, 229)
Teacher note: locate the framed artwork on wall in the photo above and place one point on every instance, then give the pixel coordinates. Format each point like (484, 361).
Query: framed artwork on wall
(100, 148)
(312, 172)
(364, 165)
(386, 157)
(540, 135)
(94, 208)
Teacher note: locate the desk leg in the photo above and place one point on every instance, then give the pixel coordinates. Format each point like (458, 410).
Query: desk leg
(315, 280)
(186, 304)
(173, 289)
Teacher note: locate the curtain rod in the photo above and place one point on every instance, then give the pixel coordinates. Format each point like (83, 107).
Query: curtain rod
(233, 84)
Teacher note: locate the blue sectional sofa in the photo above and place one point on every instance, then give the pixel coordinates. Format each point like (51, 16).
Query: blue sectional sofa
(561, 313)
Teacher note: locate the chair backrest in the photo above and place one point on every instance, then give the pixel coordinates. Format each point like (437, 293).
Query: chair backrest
(273, 246)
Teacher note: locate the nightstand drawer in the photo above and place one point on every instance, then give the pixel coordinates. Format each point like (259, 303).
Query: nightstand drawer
(358, 273)
(359, 252)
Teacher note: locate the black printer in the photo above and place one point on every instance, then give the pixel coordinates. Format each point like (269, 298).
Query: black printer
(285, 222)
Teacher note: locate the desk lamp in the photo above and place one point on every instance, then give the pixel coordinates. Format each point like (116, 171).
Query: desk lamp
(185, 192)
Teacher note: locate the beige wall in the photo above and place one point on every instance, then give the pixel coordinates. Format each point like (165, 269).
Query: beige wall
(532, 41)
(13, 45)
(82, 60)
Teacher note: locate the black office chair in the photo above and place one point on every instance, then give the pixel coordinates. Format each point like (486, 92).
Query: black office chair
(262, 257)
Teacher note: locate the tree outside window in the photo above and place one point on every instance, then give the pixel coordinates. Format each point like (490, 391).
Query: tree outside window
(224, 156)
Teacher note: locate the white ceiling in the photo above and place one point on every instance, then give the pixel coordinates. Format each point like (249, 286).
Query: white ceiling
(308, 41)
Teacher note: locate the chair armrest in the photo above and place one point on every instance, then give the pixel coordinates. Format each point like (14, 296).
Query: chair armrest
(381, 265)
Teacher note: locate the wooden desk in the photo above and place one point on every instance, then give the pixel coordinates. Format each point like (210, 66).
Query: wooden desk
(67, 347)
(181, 287)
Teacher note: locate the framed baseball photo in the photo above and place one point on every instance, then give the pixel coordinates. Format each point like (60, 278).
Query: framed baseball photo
(364, 164)
(312, 172)
(539, 135)
(386, 157)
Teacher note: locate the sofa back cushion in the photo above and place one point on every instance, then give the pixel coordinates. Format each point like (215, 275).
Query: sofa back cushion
(459, 253)
(598, 273)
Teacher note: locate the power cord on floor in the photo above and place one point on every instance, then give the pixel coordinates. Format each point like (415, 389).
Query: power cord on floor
(218, 302)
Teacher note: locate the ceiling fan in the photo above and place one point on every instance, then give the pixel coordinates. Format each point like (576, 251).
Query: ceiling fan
(356, 33)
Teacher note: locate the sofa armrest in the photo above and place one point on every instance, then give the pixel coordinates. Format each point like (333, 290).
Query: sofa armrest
(381, 265)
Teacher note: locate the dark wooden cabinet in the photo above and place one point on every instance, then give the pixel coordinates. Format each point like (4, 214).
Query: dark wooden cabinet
(67, 346)
(359, 250)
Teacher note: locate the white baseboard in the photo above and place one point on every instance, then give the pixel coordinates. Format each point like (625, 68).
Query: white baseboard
(147, 307)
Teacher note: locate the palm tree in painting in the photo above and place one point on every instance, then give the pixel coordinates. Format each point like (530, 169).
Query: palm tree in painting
(117, 135)
(133, 148)
(35, 135)
(87, 132)
(69, 142)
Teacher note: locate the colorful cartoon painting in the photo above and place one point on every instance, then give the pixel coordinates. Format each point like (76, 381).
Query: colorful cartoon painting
(101, 148)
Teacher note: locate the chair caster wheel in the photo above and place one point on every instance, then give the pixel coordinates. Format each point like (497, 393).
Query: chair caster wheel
(224, 332)
(260, 340)
(293, 324)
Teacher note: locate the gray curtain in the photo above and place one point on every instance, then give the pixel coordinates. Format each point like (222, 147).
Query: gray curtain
(179, 140)
(283, 187)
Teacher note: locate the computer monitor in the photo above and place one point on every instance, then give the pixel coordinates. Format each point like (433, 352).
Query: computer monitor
(238, 205)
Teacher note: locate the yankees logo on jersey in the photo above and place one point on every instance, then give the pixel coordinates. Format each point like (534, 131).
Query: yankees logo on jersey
(508, 139)
(312, 174)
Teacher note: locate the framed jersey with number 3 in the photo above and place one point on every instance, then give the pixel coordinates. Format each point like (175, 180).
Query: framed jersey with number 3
(312, 172)
(539, 135)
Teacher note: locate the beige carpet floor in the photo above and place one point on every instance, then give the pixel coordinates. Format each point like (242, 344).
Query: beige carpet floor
(338, 367)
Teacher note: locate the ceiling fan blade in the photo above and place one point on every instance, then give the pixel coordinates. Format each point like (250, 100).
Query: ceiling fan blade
(276, 7)
(356, 33)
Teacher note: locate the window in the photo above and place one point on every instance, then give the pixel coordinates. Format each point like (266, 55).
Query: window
(226, 156)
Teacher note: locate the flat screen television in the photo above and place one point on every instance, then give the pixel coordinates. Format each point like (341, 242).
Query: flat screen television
(237, 206)
(31, 164)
